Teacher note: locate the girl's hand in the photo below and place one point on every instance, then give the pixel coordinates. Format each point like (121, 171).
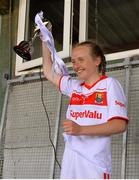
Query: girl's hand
(71, 128)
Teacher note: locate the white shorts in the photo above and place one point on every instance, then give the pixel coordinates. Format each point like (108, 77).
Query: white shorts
(74, 166)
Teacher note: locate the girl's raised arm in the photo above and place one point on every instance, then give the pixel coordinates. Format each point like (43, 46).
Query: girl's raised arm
(47, 65)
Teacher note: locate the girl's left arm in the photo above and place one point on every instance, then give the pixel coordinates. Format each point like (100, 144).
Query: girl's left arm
(114, 126)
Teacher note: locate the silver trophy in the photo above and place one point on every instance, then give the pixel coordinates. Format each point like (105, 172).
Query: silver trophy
(25, 48)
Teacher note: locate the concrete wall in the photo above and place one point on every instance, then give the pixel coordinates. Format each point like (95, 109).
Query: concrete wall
(7, 40)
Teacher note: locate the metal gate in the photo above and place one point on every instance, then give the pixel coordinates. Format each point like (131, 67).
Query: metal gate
(25, 148)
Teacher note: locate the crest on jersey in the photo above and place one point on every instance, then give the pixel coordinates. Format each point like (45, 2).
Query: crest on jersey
(99, 98)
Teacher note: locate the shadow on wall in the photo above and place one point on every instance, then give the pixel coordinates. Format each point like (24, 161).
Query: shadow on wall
(4, 7)
(5, 37)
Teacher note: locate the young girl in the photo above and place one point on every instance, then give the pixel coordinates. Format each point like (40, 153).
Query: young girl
(97, 110)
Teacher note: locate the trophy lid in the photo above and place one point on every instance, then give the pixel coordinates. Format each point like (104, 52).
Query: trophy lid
(46, 23)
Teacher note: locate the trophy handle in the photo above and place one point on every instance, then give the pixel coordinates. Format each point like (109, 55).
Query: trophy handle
(48, 25)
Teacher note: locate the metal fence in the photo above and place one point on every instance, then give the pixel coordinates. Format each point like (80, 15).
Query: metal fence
(25, 148)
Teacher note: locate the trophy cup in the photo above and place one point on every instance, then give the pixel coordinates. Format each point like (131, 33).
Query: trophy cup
(25, 48)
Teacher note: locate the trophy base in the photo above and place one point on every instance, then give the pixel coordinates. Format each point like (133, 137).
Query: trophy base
(23, 50)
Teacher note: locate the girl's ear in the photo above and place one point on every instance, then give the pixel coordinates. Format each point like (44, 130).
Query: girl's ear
(97, 61)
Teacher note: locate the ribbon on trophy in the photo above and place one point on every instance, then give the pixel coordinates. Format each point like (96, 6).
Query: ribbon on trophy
(46, 36)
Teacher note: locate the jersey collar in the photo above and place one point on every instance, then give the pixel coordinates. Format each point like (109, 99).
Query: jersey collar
(90, 86)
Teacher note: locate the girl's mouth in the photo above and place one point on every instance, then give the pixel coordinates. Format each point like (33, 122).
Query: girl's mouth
(79, 70)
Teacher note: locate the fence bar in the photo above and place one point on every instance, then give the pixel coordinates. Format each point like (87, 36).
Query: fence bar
(4, 110)
(56, 135)
(127, 66)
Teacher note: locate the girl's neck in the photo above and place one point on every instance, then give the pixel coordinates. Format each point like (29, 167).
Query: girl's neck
(93, 79)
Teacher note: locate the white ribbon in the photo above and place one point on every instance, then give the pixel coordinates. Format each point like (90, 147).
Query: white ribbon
(58, 64)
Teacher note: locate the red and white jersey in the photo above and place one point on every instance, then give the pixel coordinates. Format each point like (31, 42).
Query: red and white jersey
(93, 105)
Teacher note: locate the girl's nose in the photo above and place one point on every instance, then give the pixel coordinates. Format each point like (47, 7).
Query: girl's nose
(75, 66)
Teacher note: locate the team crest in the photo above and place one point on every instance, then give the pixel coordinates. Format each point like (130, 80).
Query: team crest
(99, 98)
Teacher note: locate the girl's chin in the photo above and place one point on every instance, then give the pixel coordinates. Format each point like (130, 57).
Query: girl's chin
(81, 77)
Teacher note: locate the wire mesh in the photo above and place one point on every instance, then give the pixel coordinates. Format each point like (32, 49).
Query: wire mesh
(25, 149)
(132, 162)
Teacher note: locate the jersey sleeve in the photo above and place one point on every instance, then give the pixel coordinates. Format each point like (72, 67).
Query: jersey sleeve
(67, 85)
(116, 101)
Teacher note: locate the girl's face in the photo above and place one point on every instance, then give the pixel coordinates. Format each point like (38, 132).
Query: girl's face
(85, 66)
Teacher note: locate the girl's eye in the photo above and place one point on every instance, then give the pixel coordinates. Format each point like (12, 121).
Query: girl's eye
(81, 59)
